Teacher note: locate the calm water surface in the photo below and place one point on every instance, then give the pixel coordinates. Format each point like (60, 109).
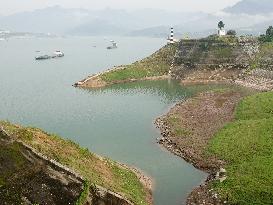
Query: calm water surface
(115, 122)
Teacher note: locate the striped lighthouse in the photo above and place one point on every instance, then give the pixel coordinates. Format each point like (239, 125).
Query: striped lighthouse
(172, 36)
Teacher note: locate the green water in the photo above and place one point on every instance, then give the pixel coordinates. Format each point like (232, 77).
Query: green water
(116, 122)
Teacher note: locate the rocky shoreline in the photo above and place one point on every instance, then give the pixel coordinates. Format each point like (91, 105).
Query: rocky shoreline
(96, 82)
(186, 130)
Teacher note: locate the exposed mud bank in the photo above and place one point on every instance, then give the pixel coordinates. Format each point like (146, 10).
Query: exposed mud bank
(187, 129)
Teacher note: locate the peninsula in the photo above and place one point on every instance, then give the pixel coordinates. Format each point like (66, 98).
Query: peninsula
(225, 132)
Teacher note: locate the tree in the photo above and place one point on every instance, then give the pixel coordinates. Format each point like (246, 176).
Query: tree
(268, 37)
(231, 33)
(269, 31)
(221, 25)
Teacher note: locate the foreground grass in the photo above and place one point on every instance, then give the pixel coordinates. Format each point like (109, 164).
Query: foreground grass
(157, 64)
(94, 169)
(247, 147)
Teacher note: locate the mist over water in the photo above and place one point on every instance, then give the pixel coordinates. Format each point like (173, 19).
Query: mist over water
(115, 122)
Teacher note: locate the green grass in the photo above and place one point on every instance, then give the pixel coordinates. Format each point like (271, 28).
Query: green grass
(256, 107)
(94, 169)
(130, 183)
(247, 147)
(83, 197)
(223, 52)
(157, 64)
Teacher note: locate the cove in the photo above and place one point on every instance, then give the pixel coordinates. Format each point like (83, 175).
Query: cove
(116, 122)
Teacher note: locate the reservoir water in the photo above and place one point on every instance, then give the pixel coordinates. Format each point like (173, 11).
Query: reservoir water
(115, 122)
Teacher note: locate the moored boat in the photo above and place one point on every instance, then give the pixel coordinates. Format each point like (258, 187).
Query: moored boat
(114, 45)
(43, 57)
(56, 54)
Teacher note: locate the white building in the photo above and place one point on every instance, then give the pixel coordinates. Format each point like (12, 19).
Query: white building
(221, 32)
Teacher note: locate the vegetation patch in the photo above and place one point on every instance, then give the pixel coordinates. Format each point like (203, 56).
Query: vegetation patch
(223, 52)
(157, 64)
(257, 106)
(83, 197)
(268, 36)
(129, 183)
(246, 145)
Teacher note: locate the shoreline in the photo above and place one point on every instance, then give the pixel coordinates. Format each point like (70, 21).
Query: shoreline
(249, 81)
(94, 81)
(144, 179)
(185, 148)
(202, 193)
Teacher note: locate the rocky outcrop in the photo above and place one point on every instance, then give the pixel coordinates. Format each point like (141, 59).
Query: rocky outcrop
(242, 60)
(214, 53)
(258, 79)
(102, 196)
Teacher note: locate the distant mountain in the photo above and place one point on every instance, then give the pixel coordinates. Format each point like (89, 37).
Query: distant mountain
(107, 21)
(157, 31)
(52, 19)
(141, 22)
(251, 7)
(98, 27)
(257, 29)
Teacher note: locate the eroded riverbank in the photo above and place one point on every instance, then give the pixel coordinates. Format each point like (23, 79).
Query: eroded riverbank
(188, 128)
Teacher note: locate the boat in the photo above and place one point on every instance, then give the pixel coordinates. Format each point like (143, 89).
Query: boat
(43, 57)
(58, 54)
(114, 45)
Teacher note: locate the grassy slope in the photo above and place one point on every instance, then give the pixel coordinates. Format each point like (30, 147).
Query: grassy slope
(247, 146)
(15, 163)
(157, 64)
(102, 172)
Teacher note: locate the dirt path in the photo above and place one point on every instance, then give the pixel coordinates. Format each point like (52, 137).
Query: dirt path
(189, 126)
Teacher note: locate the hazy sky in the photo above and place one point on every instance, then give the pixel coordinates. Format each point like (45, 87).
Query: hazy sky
(13, 6)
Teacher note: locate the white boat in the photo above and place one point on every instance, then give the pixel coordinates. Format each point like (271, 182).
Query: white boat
(114, 45)
(57, 54)
(43, 57)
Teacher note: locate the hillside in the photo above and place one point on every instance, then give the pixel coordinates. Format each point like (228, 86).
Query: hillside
(251, 7)
(242, 60)
(39, 168)
(139, 22)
